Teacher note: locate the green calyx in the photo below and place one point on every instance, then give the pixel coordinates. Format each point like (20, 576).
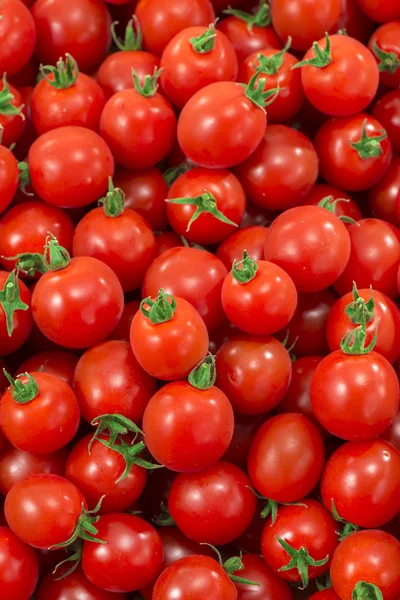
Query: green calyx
(113, 202)
(205, 203)
(6, 97)
(254, 91)
(163, 519)
(245, 270)
(133, 36)
(204, 374)
(150, 83)
(205, 42)
(272, 506)
(270, 65)
(347, 528)
(366, 591)
(231, 566)
(23, 393)
(74, 559)
(85, 527)
(323, 582)
(300, 560)
(329, 203)
(360, 313)
(262, 18)
(322, 57)
(389, 62)
(10, 300)
(54, 258)
(63, 75)
(290, 348)
(171, 174)
(369, 147)
(160, 310)
(24, 178)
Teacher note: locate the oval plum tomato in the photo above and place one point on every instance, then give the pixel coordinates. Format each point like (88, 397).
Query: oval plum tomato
(392, 433)
(117, 236)
(17, 36)
(213, 506)
(43, 510)
(131, 558)
(251, 239)
(385, 45)
(270, 586)
(194, 58)
(387, 112)
(169, 337)
(339, 57)
(311, 244)
(66, 97)
(193, 274)
(205, 205)
(122, 330)
(73, 585)
(19, 569)
(56, 362)
(373, 467)
(374, 258)
(15, 313)
(380, 11)
(304, 20)
(70, 166)
(254, 372)
(308, 526)
(382, 198)
(372, 556)
(61, 28)
(12, 113)
(327, 594)
(286, 458)
(258, 297)
(282, 170)
(161, 21)
(108, 379)
(348, 208)
(385, 321)
(354, 152)
(9, 177)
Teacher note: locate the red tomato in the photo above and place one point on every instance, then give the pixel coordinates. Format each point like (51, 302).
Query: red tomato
(17, 36)
(282, 171)
(269, 585)
(349, 208)
(387, 112)
(249, 238)
(9, 177)
(385, 45)
(286, 458)
(357, 25)
(19, 569)
(15, 313)
(72, 586)
(12, 113)
(392, 433)
(382, 198)
(122, 330)
(381, 11)
(327, 594)
(373, 467)
(55, 362)
(166, 240)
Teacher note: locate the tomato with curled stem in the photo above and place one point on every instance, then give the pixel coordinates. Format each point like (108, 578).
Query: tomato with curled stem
(56, 362)
(15, 313)
(19, 570)
(73, 585)
(250, 239)
(387, 112)
(347, 207)
(384, 44)
(17, 36)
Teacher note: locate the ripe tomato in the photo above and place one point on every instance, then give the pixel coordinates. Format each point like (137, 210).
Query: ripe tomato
(15, 313)
(327, 594)
(382, 198)
(12, 113)
(19, 569)
(357, 24)
(392, 433)
(121, 332)
(380, 11)
(56, 362)
(17, 36)
(387, 112)
(249, 238)
(269, 585)
(9, 177)
(349, 208)
(73, 585)
(385, 45)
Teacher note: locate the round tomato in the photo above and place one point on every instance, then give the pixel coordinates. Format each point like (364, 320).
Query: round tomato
(392, 433)
(9, 177)
(17, 36)
(387, 112)
(19, 569)
(385, 45)
(357, 25)
(348, 208)
(12, 113)
(56, 362)
(269, 585)
(380, 11)
(74, 585)
(15, 313)
(327, 594)
(382, 198)
(250, 238)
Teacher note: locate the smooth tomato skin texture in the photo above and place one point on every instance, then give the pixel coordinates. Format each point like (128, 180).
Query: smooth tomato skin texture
(286, 458)
(193, 274)
(187, 429)
(108, 379)
(321, 190)
(339, 163)
(22, 321)
(281, 171)
(382, 198)
(328, 594)
(131, 559)
(270, 586)
(19, 570)
(311, 244)
(262, 306)
(244, 430)
(125, 243)
(62, 28)
(121, 332)
(385, 312)
(386, 37)
(387, 112)
(71, 587)
(80, 305)
(194, 578)
(369, 555)
(380, 11)
(70, 166)
(373, 467)
(246, 41)
(17, 36)
(392, 433)
(56, 362)
(13, 125)
(254, 372)
(115, 72)
(219, 126)
(356, 23)
(50, 506)
(249, 238)
(9, 176)
(310, 526)
(374, 258)
(186, 71)
(214, 506)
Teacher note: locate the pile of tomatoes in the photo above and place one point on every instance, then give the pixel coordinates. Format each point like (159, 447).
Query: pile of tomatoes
(199, 299)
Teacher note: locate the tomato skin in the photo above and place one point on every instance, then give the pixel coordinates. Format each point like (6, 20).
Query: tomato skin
(286, 458)
(386, 37)
(374, 470)
(328, 594)
(281, 171)
(382, 198)
(387, 112)
(131, 558)
(349, 208)
(13, 125)
(380, 11)
(115, 72)
(357, 25)
(71, 587)
(244, 430)
(369, 555)
(270, 586)
(392, 433)
(108, 379)
(61, 28)
(121, 332)
(186, 71)
(9, 177)
(70, 166)
(219, 126)
(247, 40)
(214, 506)
(254, 372)
(19, 571)
(56, 362)
(17, 37)
(249, 238)
(22, 321)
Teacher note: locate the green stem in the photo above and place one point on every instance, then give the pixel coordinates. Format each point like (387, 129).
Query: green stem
(133, 36)
(204, 374)
(300, 560)
(10, 300)
(262, 18)
(254, 91)
(369, 147)
(270, 65)
(360, 313)
(366, 591)
(114, 200)
(64, 74)
(56, 256)
(245, 270)
(231, 566)
(24, 177)
(205, 203)
(205, 42)
(272, 506)
(160, 310)
(23, 393)
(329, 203)
(322, 57)
(389, 62)
(347, 529)
(85, 527)
(164, 519)
(150, 83)
(171, 174)
(6, 97)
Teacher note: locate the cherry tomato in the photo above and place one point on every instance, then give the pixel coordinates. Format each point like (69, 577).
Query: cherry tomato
(249, 238)
(74, 585)
(385, 45)
(56, 362)
(357, 24)
(12, 112)
(19, 569)
(392, 433)
(327, 594)
(348, 207)
(387, 112)
(269, 585)
(122, 330)
(381, 11)
(17, 36)
(9, 177)
(382, 198)
(15, 313)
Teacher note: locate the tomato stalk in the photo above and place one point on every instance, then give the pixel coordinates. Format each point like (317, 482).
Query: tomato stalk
(290, 348)
(205, 42)
(64, 74)
(85, 527)
(348, 528)
(366, 591)
(262, 18)
(270, 65)
(272, 506)
(10, 300)
(114, 200)
(245, 270)
(388, 61)
(22, 392)
(300, 560)
(204, 374)
(171, 174)
(231, 566)
(369, 147)
(160, 310)
(150, 83)
(133, 36)
(24, 177)
(254, 91)
(205, 203)
(322, 57)
(164, 519)
(360, 313)
(6, 108)
(54, 258)
(329, 203)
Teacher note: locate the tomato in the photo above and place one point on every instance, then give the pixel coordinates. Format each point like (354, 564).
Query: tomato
(121, 332)
(194, 58)
(131, 558)
(374, 258)
(214, 506)
(286, 458)
(254, 372)
(387, 112)
(72, 586)
(56, 362)
(381, 11)
(383, 196)
(12, 113)
(15, 313)
(161, 21)
(9, 177)
(357, 25)
(258, 297)
(392, 433)
(64, 28)
(108, 380)
(193, 274)
(269, 585)
(282, 170)
(166, 240)
(17, 36)
(373, 467)
(384, 43)
(354, 152)
(327, 594)
(19, 570)
(371, 556)
(70, 166)
(249, 238)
